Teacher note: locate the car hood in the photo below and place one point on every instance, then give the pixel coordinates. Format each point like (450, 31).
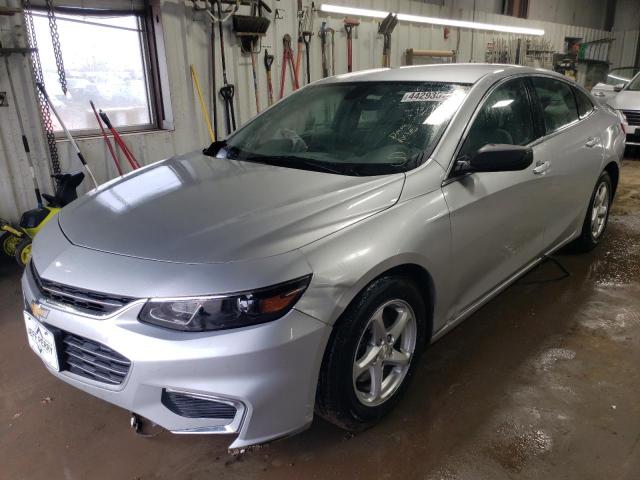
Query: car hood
(626, 100)
(198, 209)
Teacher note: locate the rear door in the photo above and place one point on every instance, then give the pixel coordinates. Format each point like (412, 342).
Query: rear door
(497, 218)
(572, 149)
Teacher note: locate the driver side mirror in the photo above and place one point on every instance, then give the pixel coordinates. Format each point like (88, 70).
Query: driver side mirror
(618, 87)
(497, 158)
(213, 149)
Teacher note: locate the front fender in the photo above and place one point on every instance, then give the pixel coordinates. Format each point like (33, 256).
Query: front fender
(416, 231)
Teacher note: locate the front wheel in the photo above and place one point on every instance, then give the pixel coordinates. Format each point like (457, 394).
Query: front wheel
(23, 252)
(595, 222)
(372, 354)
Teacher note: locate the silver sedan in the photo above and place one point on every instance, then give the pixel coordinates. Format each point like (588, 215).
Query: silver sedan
(301, 265)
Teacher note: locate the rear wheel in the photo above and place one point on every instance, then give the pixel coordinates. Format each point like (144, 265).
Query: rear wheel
(372, 354)
(595, 222)
(23, 252)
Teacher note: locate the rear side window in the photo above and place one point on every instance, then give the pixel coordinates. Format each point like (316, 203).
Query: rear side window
(557, 103)
(505, 117)
(585, 107)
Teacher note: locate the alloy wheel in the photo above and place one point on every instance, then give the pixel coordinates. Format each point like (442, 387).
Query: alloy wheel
(384, 352)
(599, 210)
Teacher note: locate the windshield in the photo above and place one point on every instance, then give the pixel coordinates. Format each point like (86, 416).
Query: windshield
(362, 128)
(621, 75)
(635, 84)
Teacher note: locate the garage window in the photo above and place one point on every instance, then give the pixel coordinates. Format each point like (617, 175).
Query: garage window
(110, 57)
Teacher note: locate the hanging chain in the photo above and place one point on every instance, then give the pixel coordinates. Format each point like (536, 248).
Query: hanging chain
(55, 40)
(36, 70)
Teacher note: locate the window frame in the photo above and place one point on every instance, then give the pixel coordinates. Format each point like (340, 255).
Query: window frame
(534, 124)
(576, 93)
(151, 42)
(535, 105)
(451, 175)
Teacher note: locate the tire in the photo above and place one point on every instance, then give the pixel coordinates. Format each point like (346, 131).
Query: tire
(346, 399)
(23, 252)
(8, 243)
(590, 236)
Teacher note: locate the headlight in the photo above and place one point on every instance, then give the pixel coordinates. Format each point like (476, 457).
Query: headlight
(218, 312)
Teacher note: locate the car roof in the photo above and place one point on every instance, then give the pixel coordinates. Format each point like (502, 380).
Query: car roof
(452, 73)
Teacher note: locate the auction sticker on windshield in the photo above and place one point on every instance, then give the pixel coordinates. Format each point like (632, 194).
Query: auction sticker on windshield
(429, 96)
(42, 341)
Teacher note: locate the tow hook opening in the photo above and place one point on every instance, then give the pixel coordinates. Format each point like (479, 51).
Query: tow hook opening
(143, 427)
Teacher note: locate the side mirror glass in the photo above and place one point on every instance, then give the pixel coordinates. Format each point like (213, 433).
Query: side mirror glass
(499, 158)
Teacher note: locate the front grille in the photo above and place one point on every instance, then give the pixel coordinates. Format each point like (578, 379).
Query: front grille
(635, 139)
(92, 360)
(87, 301)
(633, 116)
(191, 406)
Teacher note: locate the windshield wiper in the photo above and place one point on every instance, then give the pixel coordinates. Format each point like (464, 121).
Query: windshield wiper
(294, 161)
(410, 163)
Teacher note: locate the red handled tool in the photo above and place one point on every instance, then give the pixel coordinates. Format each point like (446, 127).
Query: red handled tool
(349, 25)
(118, 139)
(287, 58)
(106, 139)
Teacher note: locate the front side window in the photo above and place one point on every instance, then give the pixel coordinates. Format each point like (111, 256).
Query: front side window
(360, 128)
(504, 118)
(556, 101)
(105, 61)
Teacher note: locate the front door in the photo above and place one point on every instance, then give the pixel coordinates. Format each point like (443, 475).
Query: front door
(497, 218)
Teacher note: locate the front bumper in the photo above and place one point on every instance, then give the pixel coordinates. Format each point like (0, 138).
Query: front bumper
(632, 133)
(268, 372)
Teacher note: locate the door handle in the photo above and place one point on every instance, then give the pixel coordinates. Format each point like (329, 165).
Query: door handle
(592, 142)
(541, 168)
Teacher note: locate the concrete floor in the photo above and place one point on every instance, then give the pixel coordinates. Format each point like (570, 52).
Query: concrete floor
(541, 383)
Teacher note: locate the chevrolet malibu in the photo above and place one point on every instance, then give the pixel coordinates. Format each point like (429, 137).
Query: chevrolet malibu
(302, 264)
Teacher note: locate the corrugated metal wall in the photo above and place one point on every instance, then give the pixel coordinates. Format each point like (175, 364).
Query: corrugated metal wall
(187, 42)
(623, 50)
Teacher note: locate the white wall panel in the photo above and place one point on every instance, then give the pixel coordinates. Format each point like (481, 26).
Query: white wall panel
(623, 49)
(187, 41)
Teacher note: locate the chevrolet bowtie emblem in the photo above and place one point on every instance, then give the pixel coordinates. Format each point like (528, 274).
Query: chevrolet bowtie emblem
(39, 311)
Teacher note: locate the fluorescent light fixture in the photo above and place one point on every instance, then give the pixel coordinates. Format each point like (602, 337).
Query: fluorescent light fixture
(449, 22)
(358, 12)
